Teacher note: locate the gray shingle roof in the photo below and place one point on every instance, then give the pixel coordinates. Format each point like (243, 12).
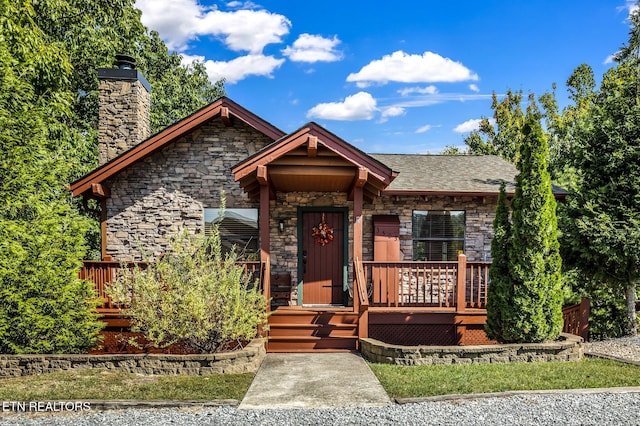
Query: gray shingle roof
(477, 174)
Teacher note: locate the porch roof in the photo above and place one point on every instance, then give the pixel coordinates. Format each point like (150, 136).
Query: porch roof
(475, 175)
(225, 108)
(312, 159)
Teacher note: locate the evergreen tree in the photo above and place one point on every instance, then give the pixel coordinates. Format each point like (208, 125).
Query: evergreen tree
(603, 224)
(535, 314)
(501, 288)
(44, 307)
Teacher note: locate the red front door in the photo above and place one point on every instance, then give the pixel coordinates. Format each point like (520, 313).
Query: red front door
(323, 264)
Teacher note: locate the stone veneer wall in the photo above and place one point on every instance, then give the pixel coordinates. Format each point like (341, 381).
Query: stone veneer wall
(167, 192)
(567, 348)
(123, 117)
(246, 360)
(479, 214)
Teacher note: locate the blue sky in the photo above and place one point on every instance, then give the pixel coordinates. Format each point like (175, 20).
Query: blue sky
(389, 77)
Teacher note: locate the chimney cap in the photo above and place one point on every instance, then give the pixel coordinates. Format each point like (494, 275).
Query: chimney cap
(125, 62)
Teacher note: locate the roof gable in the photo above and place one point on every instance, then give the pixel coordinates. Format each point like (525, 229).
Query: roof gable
(312, 159)
(223, 107)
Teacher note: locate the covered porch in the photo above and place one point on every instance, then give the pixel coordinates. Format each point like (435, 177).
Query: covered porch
(404, 303)
(397, 302)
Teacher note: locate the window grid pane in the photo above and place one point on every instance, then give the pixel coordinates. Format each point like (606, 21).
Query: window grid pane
(438, 234)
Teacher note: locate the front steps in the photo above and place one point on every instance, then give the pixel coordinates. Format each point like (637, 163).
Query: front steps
(298, 329)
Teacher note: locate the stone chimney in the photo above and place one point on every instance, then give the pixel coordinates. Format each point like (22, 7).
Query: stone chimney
(124, 108)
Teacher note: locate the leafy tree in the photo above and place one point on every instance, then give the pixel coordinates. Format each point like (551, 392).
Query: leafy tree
(530, 305)
(502, 138)
(561, 126)
(452, 150)
(603, 223)
(177, 90)
(193, 294)
(44, 307)
(500, 295)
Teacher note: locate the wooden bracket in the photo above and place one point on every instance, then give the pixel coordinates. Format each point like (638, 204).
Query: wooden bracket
(312, 148)
(226, 118)
(262, 176)
(99, 190)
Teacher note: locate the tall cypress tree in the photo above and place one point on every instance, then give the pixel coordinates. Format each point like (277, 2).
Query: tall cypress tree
(535, 312)
(501, 288)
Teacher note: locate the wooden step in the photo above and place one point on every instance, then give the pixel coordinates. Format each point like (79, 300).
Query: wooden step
(318, 330)
(286, 316)
(298, 329)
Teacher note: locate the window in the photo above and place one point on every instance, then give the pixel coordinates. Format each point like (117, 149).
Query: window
(238, 227)
(438, 234)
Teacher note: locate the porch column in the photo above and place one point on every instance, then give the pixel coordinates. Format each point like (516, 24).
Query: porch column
(357, 223)
(360, 181)
(264, 225)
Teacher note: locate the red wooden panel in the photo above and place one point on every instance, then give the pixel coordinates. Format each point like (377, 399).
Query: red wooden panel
(323, 271)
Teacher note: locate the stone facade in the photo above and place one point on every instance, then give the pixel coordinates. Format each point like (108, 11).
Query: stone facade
(567, 348)
(479, 215)
(247, 360)
(123, 116)
(168, 191)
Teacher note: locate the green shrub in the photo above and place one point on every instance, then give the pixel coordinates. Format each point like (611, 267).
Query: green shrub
(44, 307)
(193, 294)
(501, 288)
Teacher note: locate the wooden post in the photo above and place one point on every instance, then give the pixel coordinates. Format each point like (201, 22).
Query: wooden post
(357, 222)
(265, 237)
(461, 287)
(585, 307)
(360, 299)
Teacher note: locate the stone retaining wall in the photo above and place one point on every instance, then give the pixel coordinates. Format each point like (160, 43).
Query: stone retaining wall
(243, 361)
(567, 348)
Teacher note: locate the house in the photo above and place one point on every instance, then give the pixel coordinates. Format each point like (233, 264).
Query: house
(347, 244)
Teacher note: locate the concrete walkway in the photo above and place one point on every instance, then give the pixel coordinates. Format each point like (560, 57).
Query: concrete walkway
(314, 380)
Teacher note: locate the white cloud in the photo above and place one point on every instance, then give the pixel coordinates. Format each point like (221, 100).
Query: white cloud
(361, 106)
(609, 59)
(180, 21)
(424, 128)
(474, 88)
(428, 90)
(313, 48)
(405, 68)
(238, 68)
(630, 6)
(392, 111)
(470, 125)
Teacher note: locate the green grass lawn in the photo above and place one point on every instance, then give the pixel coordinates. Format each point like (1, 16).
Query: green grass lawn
(420, 381)
(109, 385)
(399, 381)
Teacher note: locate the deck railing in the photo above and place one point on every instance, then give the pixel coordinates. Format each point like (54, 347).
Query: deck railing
(576, 319)
(103, 273)
(457, 285)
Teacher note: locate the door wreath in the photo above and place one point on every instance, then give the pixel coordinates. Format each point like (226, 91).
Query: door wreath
(322, 233)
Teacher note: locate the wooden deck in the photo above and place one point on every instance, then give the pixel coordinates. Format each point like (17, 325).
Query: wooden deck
(404, 303)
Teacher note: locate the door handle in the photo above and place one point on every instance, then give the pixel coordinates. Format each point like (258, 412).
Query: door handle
(304, 261)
